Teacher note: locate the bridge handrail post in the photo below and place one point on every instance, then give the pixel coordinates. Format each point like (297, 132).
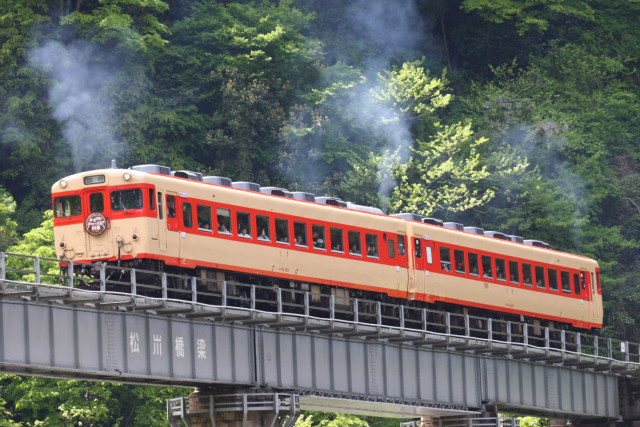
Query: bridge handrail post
(626, 352)
(595, 345)
(563, 341)
(547, 343)
(36, 268)
(3, 273)
(525, 335)
(379, 313)
(279, 299)
(194, 289)
(578, 343)
(70, 274)
(448, 323)
(306, 304)
(332, 306)
(509, 337)
(103, 277)
(134, 283)
(425, 322)
(164, 285)
(401, 316)
(224, 293)
(490, 329)
(467, 327)
(252, 303)
(610, 348)
(356, 313)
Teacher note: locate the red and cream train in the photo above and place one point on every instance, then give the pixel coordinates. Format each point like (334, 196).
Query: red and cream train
(152, 218)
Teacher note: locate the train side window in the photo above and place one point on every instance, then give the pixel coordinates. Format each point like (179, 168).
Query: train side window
(487, 271)
(187, 215)
(553, 279)
(337, 243)
(244, 225)
(565, 282)
(282, 231)
(500, 270)
(317, 233)
(458, 256)
(224, 221)
(391, 246)
(540, 282)
(473, 264)
(417, 248)
(96, 202)
(262, 226)
(429, 255)
(67, 206)
(372, 245)
(526, 274)
(152, 202)
(300, 231)
(445, 258)
(171, 206)
(125, 200)
(514, 274)
(576, 284)
(400, 244)
(160, 214)
(204, 217)
(354, 243)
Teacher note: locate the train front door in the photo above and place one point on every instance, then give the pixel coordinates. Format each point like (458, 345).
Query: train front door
(99, 241)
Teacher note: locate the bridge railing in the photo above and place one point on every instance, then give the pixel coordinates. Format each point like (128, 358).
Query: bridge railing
(432, 326)
(465, 422)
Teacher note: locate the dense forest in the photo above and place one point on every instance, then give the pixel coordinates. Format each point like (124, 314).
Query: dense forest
(517, 116)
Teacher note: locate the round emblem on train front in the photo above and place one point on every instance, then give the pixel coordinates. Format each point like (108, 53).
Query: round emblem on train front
(95, 224)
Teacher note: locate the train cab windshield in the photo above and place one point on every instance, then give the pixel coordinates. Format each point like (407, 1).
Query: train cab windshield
(67, 206)
(126, 200)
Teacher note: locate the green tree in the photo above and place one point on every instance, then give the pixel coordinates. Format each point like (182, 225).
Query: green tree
(8, 225)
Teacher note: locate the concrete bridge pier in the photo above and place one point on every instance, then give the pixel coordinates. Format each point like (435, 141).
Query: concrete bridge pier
(252, 408)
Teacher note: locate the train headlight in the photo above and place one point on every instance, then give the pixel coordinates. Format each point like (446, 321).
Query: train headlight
(126, 176)
(63, 183)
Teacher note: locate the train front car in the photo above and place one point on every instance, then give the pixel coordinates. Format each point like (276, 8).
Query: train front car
(105, 215)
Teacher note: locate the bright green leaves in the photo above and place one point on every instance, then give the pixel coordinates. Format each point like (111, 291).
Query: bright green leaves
(528, 14)
(8, 225)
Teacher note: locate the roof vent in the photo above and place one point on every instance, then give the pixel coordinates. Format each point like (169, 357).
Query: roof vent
(276, 191)
(333, 201)
(537, 243)
(301, 195)
(244, 185)
(433, 221)
(475, 230)
(362, 208)
(497, 235)
(515, 238)
(195, 176)
(164, 170)
(453, 225)
(409, 216)
(220, 180)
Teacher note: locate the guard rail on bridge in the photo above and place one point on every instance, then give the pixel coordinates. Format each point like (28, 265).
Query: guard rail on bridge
(41, 279)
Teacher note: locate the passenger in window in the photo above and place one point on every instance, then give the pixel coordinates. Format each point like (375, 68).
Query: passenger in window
(243, 233)
(263, 235)
(299, 240)
(539, 283)
(319, 243)
(446, 266)
(337, 247)
(222, 228)
(474, 270)
(371, 251)
(500, 274)
(355, 249)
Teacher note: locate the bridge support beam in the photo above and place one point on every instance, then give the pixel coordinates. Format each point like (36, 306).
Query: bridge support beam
(204, 408)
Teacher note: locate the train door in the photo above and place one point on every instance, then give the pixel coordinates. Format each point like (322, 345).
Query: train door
(97, 229)
(162, 224)
(173, 225)
(418, 263)
(185, 226)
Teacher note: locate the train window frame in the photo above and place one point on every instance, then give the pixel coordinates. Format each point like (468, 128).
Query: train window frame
(501, 268)
(391, 248)
(541, 279)
(243, 222)
(552, 277)
(472, 259)
(401, 245)
(92, 202)
(417, 249)
(513, 266)
(487, 273)
(527, 274)
(223, 221)
(117, 204)
(565, 281)
(372, 245)
(171, 206)
(152, 201)
(73, 206)
(318, 237)
(458, 257)
(203, 214)
(160, 212)
(300, 233)
(445, 261)
(187, 215)
(337, 240)
(576, 284)
(429, 252)
(355, 239)
(282, 231)
(263, 228)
